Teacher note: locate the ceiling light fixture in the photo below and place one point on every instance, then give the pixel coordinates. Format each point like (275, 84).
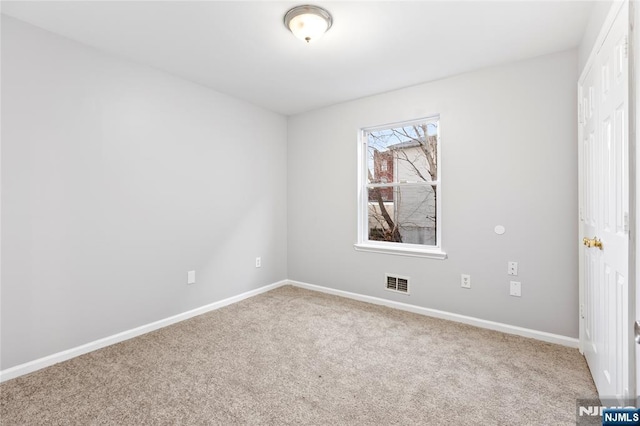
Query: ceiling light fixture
(308, 22)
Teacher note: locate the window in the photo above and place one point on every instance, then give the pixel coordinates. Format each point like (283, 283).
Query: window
(399, 189)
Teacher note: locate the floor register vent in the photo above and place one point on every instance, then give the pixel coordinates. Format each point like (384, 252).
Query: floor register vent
(397, 283)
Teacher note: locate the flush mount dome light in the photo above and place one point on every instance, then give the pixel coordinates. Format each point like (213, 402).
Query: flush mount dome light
(308, 22)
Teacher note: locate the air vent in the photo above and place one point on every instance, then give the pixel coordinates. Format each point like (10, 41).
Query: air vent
(398, 283)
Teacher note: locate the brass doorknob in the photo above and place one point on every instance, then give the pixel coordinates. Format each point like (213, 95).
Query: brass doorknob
(592, 242)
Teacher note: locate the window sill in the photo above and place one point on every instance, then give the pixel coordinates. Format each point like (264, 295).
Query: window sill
(432, 253)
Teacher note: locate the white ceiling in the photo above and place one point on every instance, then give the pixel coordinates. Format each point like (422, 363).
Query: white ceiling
(242, 48)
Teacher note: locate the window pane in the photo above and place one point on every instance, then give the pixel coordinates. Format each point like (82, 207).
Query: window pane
(403, 154)
(403, 214)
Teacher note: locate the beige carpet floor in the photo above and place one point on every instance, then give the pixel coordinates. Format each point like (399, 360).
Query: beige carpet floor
(297, 357)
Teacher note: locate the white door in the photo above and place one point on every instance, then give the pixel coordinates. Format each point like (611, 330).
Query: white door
(605, 212)
(589, 207)
(636, 99)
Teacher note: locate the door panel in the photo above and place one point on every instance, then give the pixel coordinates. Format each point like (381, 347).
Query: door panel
(605, 202)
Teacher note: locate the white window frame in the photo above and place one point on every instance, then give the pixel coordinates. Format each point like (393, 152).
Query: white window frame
(387, 247)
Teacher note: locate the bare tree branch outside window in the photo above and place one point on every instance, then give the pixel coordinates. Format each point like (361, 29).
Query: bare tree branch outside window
(402, 183)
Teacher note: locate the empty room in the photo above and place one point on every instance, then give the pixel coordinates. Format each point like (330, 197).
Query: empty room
(336, 213)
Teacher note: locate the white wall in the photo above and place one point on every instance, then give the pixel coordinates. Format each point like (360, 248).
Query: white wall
(509, 157)
(116, 180)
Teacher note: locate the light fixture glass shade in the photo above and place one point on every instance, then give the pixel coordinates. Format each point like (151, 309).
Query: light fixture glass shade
(308, 23)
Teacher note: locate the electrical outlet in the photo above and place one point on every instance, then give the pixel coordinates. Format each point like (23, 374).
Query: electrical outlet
(515, 288)
(258, 262)
(191, 277)
(465, 281)
(512, 268)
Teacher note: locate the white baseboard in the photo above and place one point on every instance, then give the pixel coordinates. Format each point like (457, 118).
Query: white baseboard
(491, 325)
(31, 366)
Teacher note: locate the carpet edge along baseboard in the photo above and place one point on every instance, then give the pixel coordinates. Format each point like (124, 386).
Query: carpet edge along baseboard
(40, 363)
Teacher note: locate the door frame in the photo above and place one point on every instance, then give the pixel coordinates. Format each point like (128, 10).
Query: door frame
(634, 197)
